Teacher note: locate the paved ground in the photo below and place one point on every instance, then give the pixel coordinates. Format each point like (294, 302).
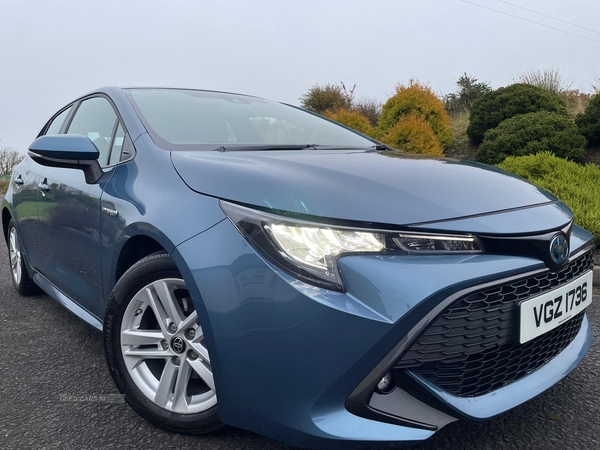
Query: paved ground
(52, 371)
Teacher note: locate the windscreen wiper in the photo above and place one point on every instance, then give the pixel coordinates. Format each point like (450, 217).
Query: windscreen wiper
(263, 147)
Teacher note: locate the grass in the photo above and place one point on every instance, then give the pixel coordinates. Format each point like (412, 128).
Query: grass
(4, 186)
(461, 148)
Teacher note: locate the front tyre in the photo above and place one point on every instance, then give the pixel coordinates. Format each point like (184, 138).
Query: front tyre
(155, 349)
(18, 269)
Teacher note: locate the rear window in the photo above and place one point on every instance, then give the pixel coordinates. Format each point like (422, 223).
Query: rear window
(186, 119)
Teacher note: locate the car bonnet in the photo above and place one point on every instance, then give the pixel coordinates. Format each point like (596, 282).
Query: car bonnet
(385, 187)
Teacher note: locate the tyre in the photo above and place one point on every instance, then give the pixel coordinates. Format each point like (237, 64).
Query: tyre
(18, 267)
(155, 349)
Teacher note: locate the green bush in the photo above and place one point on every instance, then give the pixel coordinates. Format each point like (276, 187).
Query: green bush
(414, 135)
(321, 98)
(352, 119)
(490, 109)
(416, 99)
(589, 121)
(527, 134)
(578, 186)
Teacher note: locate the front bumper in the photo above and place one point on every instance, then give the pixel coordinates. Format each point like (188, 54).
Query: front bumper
(287, 356)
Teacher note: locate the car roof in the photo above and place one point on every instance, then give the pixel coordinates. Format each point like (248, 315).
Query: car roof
(112, 89)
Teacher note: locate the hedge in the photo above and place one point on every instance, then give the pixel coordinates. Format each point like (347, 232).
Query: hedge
(492, 108)
(527, 134)
(576, 185)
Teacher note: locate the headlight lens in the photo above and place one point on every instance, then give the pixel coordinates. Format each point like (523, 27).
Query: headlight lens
(318, 247)
(437, 243)
(309, 251)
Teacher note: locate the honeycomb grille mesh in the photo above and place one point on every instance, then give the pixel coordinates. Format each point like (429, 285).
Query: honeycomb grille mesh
(471, 348)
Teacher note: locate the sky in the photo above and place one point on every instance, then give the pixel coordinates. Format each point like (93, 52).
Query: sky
(53, 51)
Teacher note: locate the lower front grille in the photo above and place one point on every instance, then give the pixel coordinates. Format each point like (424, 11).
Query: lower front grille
(480, 373)
(472, 349)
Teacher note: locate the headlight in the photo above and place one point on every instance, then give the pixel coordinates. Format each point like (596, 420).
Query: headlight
(413, 242)
(309, 251)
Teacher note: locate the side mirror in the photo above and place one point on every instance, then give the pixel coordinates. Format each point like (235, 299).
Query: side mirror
(69, 151)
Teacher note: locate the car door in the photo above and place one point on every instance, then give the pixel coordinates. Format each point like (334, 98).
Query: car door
(25, 196)
(70, 208)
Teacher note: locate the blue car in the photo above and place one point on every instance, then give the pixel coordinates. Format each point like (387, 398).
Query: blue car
(254, 264)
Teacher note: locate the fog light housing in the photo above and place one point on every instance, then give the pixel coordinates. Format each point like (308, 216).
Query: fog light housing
(386, 384)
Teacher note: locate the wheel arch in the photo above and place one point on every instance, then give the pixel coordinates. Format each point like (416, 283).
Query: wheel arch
(142, 240)
(138, 241)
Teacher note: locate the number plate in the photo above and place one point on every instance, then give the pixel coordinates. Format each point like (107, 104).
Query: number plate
(547, 311)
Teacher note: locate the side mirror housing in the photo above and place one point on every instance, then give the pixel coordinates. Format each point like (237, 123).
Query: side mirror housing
(69, 151)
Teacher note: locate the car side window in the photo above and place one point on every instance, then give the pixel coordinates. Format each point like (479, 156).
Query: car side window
(121, 148)
(96, 119)
(57, 122)
(117, 146)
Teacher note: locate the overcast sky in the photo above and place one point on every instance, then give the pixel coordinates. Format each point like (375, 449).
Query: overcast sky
(52, 51)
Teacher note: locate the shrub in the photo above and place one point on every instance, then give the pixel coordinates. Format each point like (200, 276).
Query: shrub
(503, 103)
(370, 108)
(327, 97)
(413, 134)
(469, 90)
(531, 133)
(578, 186)
(420, 100)
(352, 119)
(589, 121)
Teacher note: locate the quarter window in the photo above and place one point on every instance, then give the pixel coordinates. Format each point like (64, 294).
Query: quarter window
(117, 146)
(57, 122)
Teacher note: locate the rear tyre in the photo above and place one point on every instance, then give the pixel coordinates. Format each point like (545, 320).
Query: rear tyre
(155, 349)
(18, 267)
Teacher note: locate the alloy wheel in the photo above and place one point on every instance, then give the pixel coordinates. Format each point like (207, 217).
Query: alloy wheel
(15, 255)
(164, 350)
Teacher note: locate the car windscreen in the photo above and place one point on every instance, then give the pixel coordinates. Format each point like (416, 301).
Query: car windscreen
(202, 120)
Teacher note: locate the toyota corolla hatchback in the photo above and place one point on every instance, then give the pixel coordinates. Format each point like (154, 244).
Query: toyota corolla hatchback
(254, 264)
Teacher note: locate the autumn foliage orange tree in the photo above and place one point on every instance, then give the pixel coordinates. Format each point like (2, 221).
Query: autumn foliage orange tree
(353, 119)
(412, 110)
(413, 134)
(414, 119)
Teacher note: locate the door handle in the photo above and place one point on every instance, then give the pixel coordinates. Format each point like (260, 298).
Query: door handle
(43, 186)
(19, 181)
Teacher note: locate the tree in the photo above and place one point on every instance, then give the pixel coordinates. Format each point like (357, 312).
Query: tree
(589, 121)
(9, 158)
(469, 90)
(321, 98)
